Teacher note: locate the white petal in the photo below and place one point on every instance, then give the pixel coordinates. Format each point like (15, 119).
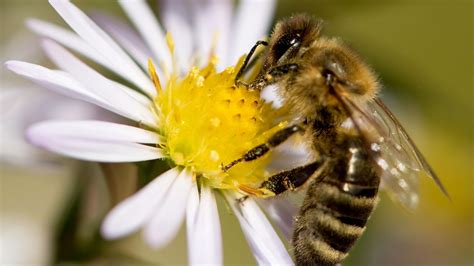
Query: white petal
(176, 18)
(282, 211)
(169, 215)
(291, 153)
(252, 23)
(146, 23)
(132, 213)
(96, 130)
(57, 81)
(68, 39)
(263, 240)
(90, 148)
(74, 42)
(212, 18)
(125, 36)
(103, 44)
(139, 97)
(119, 96)
(269, 94)
(61, 82)
(29, 103)
(202, 222)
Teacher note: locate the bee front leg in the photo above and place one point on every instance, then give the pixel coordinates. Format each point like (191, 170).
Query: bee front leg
(243, 68)
(278, 72)
(273, 75)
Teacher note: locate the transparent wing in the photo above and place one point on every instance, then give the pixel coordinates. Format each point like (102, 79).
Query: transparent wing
(399, 159)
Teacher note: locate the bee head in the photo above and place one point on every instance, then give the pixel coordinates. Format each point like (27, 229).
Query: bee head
(290, 37)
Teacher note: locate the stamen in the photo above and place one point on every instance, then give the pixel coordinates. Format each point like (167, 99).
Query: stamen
(213, 50)
(170, 42)
(154, 76)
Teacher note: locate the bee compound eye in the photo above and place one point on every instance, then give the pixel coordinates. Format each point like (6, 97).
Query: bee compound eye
(286, 42)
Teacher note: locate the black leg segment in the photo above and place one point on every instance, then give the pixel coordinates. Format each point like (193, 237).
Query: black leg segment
(282, 135)
(273, 75)
(262, 149)
(291, 179)
(247, 60)
(276, 73)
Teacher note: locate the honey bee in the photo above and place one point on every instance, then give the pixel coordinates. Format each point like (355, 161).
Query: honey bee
(356, 142)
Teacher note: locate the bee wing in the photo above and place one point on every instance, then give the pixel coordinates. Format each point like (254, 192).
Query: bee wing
(393, 150)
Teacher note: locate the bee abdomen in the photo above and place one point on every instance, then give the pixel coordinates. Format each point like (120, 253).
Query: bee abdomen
(330, 222)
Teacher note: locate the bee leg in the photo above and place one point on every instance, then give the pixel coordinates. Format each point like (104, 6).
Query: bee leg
(260, 150)
(246, 62)
(276, 73)
(272, 76)
(292, 179)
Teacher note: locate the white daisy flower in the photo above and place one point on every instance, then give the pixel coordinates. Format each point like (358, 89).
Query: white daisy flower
(23, 104)
(189, 113)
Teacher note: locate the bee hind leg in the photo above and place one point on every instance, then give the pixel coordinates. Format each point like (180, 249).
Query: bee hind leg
(292, 179)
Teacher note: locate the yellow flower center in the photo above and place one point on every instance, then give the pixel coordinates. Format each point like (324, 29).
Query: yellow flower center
(207, 121)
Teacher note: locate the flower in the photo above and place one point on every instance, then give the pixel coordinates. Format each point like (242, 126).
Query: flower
(189, 113)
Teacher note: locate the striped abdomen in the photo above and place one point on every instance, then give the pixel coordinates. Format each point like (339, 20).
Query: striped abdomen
(333, 216)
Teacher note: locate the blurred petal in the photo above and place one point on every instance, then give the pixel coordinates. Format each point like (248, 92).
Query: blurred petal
(146, 23)
(251, 24)
(103, 44)
(119, 96)
(22, 106)
(68, 39)
(211, 20)
(176, 17)
(169, 214)
(132, 213)
(263, 240)
(61, 82)
(125, 36)
(89, 146)
(293, 152)
(282, 212)
(202, 221)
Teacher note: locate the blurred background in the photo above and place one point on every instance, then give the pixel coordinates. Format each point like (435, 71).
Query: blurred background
(423, 53)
